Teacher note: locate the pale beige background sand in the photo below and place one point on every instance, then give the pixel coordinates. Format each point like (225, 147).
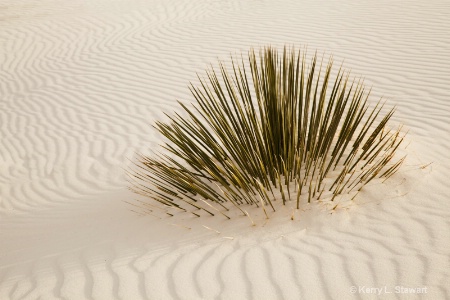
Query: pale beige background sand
(80, 82)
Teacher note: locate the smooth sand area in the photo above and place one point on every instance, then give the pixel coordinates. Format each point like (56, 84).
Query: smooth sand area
(80, 83)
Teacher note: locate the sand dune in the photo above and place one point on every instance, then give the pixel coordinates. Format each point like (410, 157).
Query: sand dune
(80, 83)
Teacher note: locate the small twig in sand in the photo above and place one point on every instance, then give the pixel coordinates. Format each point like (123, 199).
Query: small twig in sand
(138, 213)
(253, 223)
(211, 229)
(424, 166)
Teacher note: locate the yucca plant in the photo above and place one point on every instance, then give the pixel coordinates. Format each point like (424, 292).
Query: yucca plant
(272, 129)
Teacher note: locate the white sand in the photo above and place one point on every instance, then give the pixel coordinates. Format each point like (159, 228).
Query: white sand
(80, 82)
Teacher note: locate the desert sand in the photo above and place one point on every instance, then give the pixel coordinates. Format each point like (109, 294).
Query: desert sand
(82, 81)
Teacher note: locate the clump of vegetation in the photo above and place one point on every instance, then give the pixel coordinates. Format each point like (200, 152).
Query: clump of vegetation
(271, 129)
